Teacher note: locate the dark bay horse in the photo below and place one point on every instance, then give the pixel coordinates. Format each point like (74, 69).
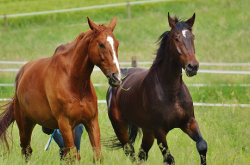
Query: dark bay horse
(57, 92)
(158, 99)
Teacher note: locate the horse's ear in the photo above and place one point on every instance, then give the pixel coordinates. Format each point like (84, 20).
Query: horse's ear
(92, 25)
(112, 23)
(190, 21)
(171, 21)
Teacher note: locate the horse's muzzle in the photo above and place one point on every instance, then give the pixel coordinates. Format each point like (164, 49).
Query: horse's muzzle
(114, 80)
(191, 69)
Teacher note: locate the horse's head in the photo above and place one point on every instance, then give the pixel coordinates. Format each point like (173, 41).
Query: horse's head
(103, 51)
(182, 39)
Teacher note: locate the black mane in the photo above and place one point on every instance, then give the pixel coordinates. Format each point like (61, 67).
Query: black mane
(162, 40)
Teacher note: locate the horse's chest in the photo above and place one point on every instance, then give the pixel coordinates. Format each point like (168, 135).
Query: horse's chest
(179, 111)
(81, 109)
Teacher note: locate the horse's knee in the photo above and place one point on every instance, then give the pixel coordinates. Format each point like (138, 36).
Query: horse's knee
(202, 147)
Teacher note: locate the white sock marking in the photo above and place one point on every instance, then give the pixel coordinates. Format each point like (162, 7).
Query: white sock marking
(184, 33)
(111, 42)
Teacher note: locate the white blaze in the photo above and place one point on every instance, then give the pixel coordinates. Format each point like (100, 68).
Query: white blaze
(184, 33)
(111, 42)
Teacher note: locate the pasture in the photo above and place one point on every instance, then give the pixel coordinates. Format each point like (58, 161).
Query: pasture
(221, 32)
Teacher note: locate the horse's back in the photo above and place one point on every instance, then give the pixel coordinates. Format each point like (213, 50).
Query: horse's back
(30, 71)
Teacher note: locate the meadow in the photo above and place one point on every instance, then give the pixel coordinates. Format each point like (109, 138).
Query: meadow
(221, 32)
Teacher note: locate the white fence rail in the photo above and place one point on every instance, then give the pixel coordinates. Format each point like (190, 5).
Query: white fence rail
(195, 104)
(83, 8)
(149, 63)
(200, 71)
(189, 85)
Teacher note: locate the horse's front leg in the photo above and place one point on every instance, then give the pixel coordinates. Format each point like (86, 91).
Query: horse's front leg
(192, 129)
(93, 130)
(147, 142)
(68, 138)
(168, 159)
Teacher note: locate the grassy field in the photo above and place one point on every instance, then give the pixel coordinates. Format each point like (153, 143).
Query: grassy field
(226, 131)
(221, 30)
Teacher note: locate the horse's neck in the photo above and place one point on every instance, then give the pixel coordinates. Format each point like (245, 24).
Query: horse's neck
(81, 67)
(168, 73)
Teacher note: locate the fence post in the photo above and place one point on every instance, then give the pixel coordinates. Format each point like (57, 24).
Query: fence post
(134, 61)
(5, 20)
(128, 10)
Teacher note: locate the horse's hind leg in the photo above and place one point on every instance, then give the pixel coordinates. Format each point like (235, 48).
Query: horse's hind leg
(25, 126)
(147, 142)
(192, 129)
(160, 135)
(120, 126)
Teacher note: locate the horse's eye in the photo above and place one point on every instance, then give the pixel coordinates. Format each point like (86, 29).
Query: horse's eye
(101, 46)
(176, 39)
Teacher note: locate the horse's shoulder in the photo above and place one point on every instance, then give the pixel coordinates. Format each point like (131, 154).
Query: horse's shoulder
(184, 87)
(184, 93)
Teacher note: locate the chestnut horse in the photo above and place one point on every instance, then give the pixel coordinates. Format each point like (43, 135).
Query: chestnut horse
(158, 99)
(57, 92)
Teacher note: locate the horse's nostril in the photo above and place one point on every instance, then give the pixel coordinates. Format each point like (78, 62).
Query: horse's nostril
(114, 77)
(190, 67)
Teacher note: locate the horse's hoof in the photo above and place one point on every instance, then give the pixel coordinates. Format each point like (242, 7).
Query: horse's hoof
(142, 155)
(98, 160)
(169, 160)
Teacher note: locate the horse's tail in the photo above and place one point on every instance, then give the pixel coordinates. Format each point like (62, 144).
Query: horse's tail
(6, 119)
(133, 132)
(114, 143)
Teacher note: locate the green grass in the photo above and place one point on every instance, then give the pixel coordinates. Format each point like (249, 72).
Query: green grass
(226, 131)
(221, 29)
